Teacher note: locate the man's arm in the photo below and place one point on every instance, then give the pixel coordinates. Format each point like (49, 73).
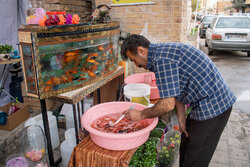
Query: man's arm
(181, 114)
(161, 107)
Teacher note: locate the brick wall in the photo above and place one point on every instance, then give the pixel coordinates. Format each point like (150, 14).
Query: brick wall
(167, 19)
(221, 7)
(81, 7)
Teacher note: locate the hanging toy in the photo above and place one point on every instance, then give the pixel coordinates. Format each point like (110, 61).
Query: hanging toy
(61, 20)
(68, 19)
(75, 19)
(42, 21)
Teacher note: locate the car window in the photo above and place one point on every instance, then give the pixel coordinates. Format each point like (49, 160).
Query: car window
(233, 22)
(207, 19)
(213, 22)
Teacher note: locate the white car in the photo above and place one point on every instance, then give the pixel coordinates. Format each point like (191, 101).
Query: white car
(230, 33)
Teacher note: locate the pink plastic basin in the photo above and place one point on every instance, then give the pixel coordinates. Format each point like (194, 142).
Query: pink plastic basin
(147, 78)
(113, 141)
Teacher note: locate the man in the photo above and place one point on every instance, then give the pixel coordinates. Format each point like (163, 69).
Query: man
(184, 75)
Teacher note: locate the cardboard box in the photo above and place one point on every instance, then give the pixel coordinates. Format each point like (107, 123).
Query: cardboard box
(17, 118)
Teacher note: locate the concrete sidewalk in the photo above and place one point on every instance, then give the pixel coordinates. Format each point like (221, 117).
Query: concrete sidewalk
(233, 149)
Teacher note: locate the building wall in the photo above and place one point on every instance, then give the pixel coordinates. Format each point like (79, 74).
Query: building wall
(81, 7)
(167, 20)
(222, 5)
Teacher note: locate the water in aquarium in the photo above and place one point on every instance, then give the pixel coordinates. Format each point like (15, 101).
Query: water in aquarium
(68, 64)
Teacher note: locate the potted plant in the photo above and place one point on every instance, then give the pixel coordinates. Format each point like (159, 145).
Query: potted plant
(5, 52)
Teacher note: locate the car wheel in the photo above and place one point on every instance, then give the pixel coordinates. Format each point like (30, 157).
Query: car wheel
(206, 43)
(248, 54)
(210, 51)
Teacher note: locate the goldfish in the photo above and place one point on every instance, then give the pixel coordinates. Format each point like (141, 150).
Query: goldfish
(100, 47)
(110, 51)
(30, 79)
(67, 79)
(53, 81)
(91, 74)
(57, 81)
(91, 58)
(81, 79)
(70, 56)
(70, 72)
(93, 67)
(84, 69)
(47, 88)
(110, 46)
(102, 73)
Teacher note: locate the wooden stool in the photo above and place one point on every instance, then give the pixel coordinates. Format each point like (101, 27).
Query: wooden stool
(88, 154)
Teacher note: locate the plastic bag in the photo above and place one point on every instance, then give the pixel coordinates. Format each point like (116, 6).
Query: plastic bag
(168, 148)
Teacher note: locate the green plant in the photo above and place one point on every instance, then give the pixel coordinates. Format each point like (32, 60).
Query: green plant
(145, 155)
(4, 49)
(161, 124)
(157, 132)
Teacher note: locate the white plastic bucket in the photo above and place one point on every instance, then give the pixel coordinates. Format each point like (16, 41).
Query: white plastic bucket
(67, 146)
(138, 93)
(67, 111)
(37, 120)
(147, 78)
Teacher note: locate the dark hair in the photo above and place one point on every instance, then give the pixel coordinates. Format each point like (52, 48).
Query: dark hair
(131, 43)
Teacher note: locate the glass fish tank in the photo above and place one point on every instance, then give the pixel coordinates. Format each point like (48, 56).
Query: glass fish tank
(60, 59)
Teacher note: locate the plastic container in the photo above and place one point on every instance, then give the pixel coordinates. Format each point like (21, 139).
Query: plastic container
(67, 111)
(16, 160)
(147, 78)
(33, 144)
(37, 120)
(138, 93)
(115, 141)
(67, 146)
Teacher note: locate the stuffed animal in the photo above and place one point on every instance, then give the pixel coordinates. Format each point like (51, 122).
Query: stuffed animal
(101, 14)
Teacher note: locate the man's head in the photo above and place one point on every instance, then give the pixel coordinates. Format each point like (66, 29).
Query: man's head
(135, 47)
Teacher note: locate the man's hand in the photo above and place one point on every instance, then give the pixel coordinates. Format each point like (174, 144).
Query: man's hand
(133, 115)
(182, 126)
(181, 114)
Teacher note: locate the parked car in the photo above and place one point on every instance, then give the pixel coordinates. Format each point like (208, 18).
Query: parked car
(204, 24)
(230, 33)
